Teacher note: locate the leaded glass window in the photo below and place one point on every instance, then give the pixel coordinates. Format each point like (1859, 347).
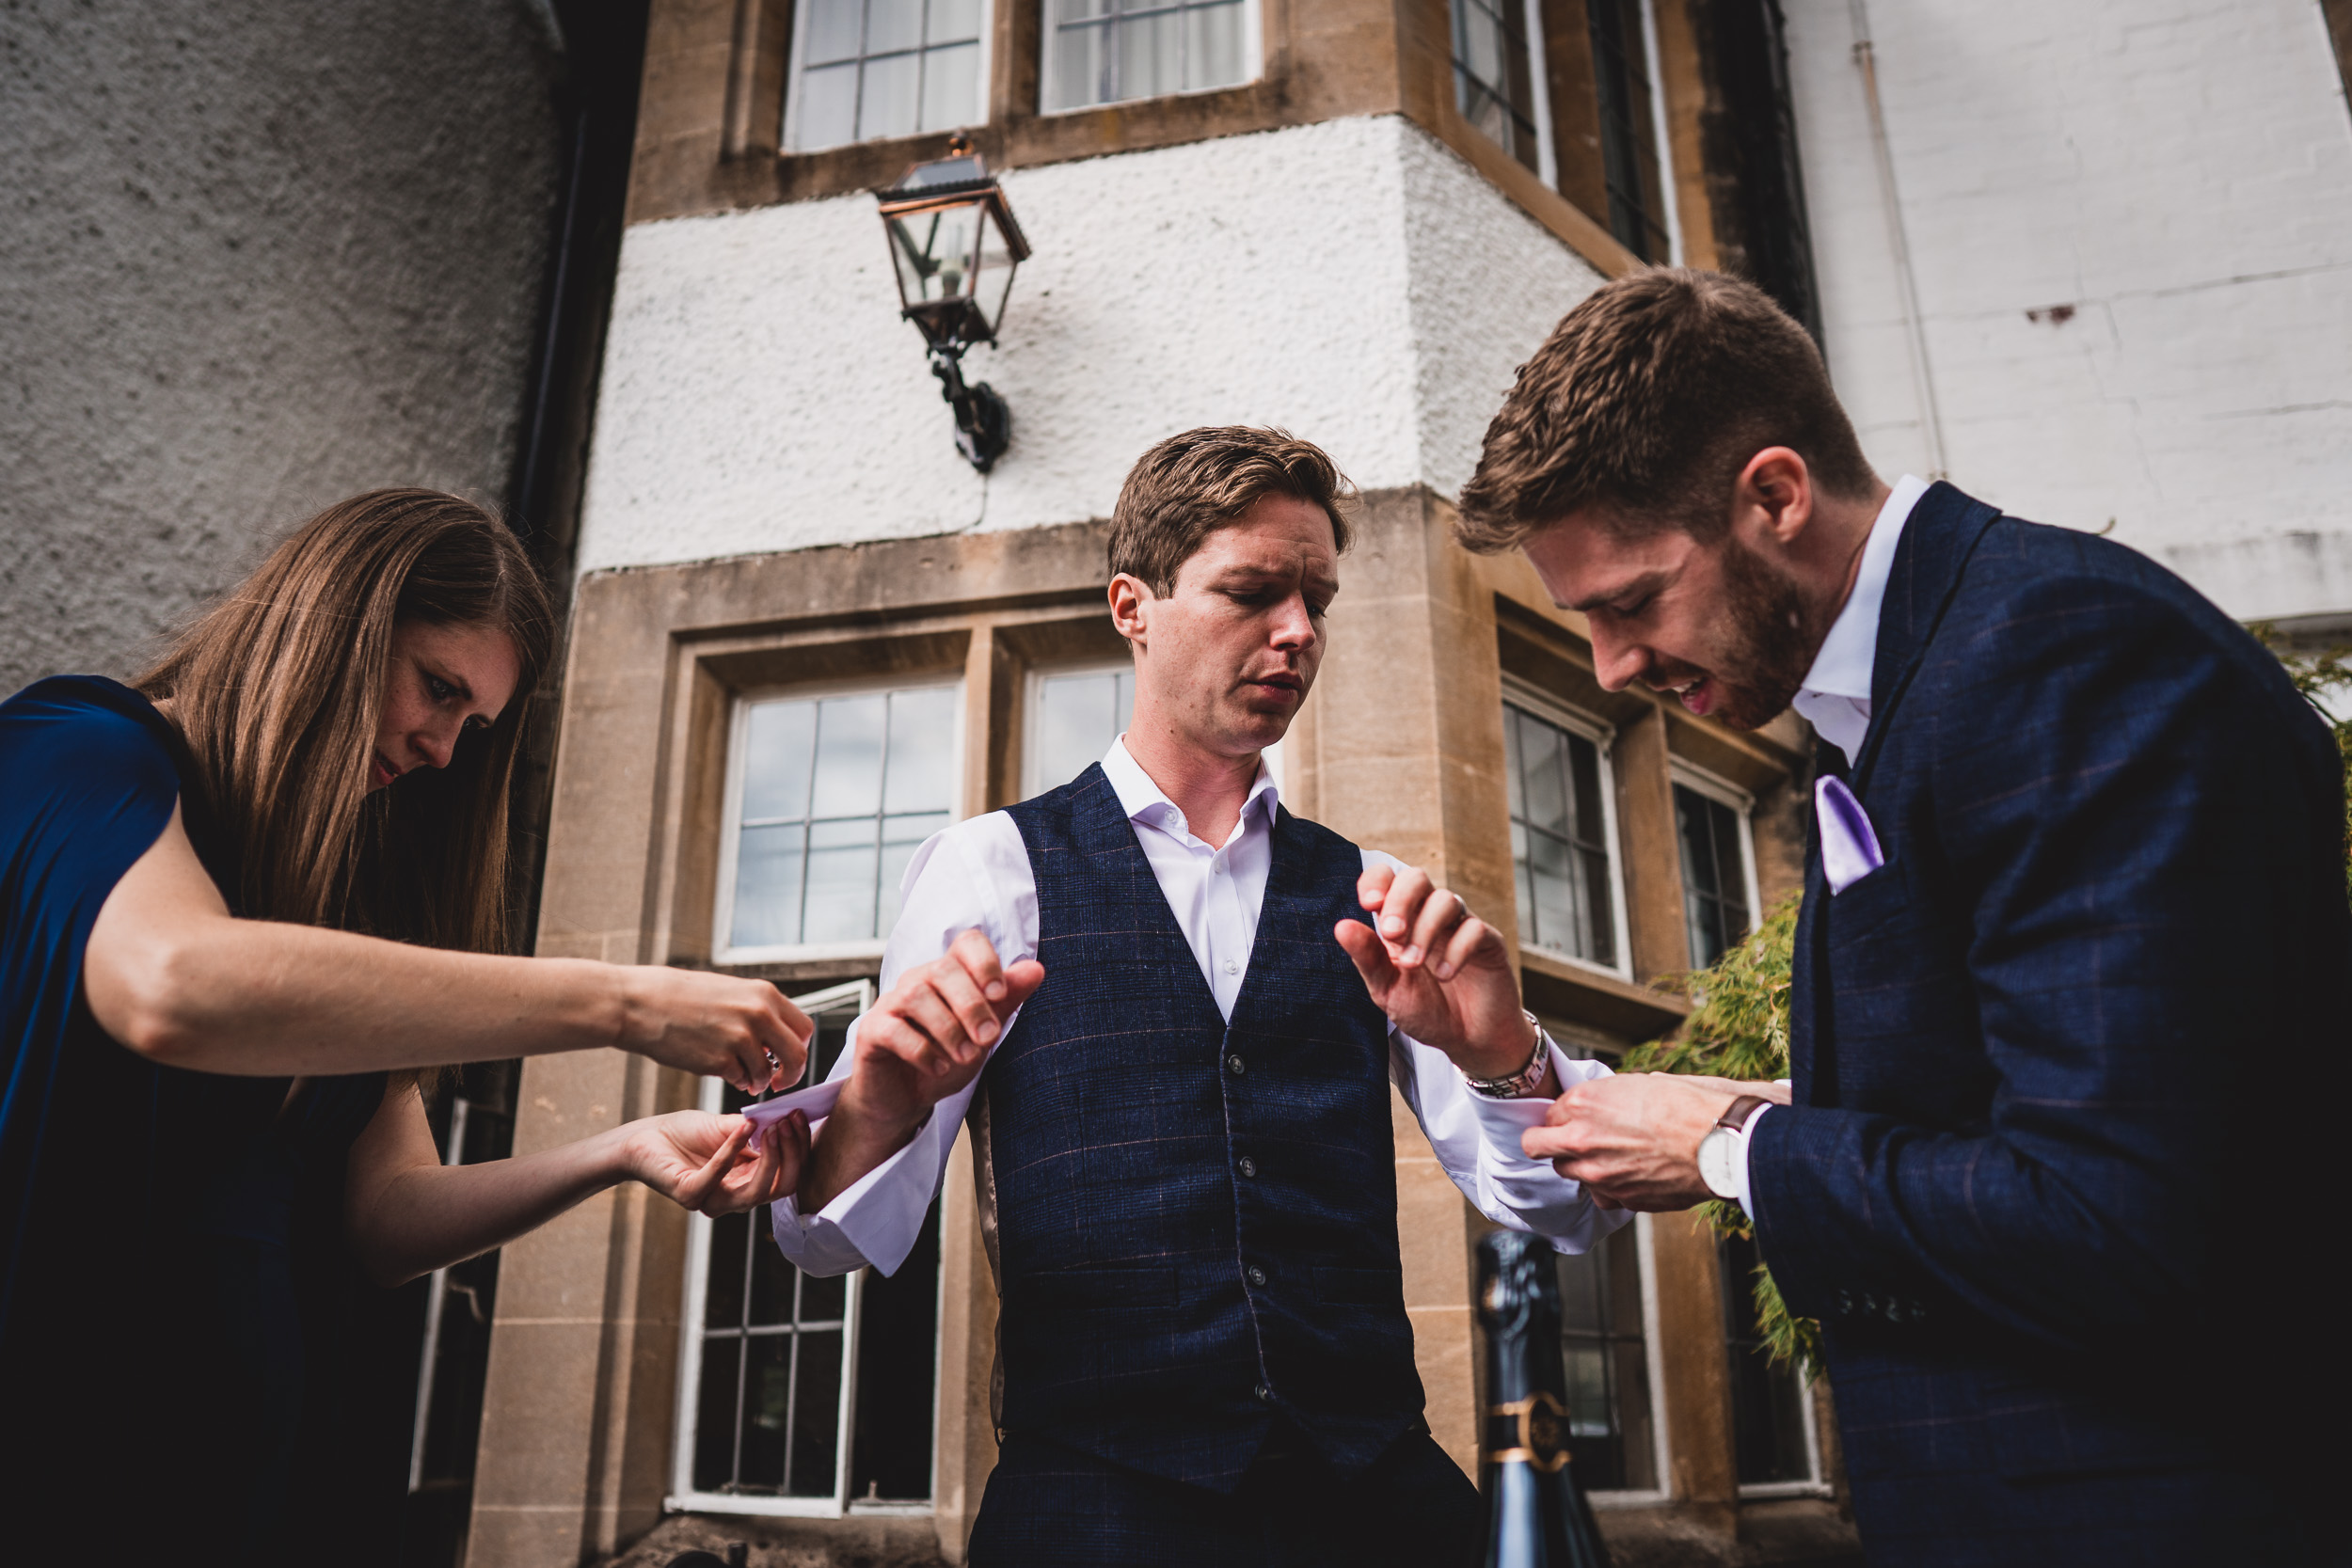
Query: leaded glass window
(1771, 1415)
(1715, 908)
(1625, 95)
(883, 67)
(1605, 1346)
(1494, 80)
(1560, 838)
(832, 796)
(802, 1395)
(1109, 51)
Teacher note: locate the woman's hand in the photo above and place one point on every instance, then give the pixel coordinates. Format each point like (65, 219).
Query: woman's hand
(716, 1164)
(719, 1026)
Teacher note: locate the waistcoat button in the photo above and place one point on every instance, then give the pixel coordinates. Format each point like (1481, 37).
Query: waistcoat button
(1248, 1167)
(1264, 1393)
(1235, 1066)
(1256, 1276)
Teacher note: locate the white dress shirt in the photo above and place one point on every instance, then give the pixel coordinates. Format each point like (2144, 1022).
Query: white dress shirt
(1835, 697)
(976, 875)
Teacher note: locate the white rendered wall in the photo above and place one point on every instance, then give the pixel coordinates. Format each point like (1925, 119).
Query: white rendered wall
(1351, 281)
(2181, 175)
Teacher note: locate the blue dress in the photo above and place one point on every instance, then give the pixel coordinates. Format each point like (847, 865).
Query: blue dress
(169, 1240)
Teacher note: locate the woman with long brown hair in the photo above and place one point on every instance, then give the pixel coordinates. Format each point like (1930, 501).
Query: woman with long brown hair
(252, 905)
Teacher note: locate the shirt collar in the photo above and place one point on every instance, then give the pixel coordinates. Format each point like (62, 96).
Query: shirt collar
(1145, 802)
(1849, 653)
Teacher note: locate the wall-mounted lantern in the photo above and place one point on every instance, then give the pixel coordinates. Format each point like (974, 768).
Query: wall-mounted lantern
(954, 245)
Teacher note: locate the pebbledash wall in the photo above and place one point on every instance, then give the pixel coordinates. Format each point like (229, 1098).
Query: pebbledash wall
(1353, 282)
(2129, 232)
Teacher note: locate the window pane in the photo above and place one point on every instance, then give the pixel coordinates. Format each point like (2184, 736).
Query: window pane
(891, 24)
(828, 107)
(849, 734)
(778, 739)
(822, 1301)
(1079, 65)
(1767, 1400)
(951, 87)
(1078, 716)
(841, 881)
(768, 887)
(1608, 1365)
(1151, 58)
(833, 28)
(730, 1248)
(816, 1415)
(888, 106)
(952, 22)
(922, 751)
(1547, 786)
(770, 1275)
(767, 1410)
(901, 837)
(1493, 87)
(714, 1414)
(1213, 45)
(890, 1448)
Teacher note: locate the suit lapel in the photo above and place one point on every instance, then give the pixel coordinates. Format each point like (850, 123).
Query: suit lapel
(1943, 532)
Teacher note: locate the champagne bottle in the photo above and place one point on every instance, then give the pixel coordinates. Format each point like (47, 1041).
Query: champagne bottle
(1536, 1513)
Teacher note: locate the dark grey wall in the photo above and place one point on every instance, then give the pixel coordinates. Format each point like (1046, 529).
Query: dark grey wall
(254, 256)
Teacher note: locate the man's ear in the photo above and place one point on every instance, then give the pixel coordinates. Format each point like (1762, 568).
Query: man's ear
(1131, 600)
(1774, 495)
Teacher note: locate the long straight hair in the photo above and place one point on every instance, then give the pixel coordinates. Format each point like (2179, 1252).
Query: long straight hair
(279, 690)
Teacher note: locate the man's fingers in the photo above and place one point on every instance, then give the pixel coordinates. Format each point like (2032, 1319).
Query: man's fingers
(1463, 945)
(960, 993)
(1401, 907)
(1021, 983)
(1371, 955)
(977, 955)
(893, 1033)
(696, 1188)
(1441, 914)
(1372, 888)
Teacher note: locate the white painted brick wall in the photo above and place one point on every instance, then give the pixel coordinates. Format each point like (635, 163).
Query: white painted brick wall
(2180, 174)
(1352, 282)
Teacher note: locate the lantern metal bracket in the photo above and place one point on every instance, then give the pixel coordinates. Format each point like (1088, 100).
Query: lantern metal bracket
(983, 424)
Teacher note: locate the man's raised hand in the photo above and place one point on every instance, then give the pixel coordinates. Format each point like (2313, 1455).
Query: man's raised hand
(933, 1029)
(1438, 972)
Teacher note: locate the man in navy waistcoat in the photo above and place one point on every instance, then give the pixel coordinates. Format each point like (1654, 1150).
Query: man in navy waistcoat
(1189, 1029)
(2075, 928)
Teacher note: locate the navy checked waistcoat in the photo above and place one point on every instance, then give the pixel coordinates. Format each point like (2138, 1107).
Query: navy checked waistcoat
(1196, 1223)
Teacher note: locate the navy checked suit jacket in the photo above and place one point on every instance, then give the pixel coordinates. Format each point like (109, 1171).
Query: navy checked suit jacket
(2056, 1064)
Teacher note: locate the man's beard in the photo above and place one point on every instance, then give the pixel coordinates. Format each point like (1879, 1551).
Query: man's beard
(1771, 644)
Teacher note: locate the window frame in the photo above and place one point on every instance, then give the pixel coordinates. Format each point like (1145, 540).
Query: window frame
(789, 130)
(1049, 45)
(1699, 781)
(694, 1297)
(724, 953)
(1539, 704)
(1645, 1248)
(1539, 87)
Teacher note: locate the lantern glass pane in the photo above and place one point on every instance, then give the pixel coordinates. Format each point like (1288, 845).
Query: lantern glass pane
(994, 279)
(935, 253)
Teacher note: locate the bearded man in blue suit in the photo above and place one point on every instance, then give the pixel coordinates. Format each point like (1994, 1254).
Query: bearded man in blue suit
(2075, 932)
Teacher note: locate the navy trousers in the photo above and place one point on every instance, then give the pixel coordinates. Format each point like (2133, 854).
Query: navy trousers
(1051, 1507)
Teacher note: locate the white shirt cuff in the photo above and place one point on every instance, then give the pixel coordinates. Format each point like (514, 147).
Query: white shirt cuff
(1746, 1133)
(871, 1221)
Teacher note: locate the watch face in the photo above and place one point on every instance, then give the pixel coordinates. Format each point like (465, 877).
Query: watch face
(1719, 1153)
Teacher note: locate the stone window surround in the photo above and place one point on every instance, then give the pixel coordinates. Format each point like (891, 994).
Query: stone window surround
(655, 658)
(711, 111)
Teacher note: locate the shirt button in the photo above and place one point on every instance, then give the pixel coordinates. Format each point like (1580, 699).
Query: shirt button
(1232, 966)
(1248, 1167)
(1217, 869)
(1264, 1394)
(1235, 1066)
(1256, 1276)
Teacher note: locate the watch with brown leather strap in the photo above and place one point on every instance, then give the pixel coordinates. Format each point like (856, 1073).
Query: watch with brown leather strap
(1719, 1151)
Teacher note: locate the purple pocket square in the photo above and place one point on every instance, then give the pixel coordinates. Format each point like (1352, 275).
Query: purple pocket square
(1849, 845)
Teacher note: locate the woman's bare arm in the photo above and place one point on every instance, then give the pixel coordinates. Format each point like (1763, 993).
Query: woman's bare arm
(406, 1213)
(173, 975)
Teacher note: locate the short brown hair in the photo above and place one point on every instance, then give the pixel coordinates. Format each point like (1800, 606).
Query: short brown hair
(1649, 398)
(1190, 486)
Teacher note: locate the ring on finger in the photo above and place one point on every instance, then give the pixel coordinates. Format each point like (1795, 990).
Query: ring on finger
(1461, 906)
